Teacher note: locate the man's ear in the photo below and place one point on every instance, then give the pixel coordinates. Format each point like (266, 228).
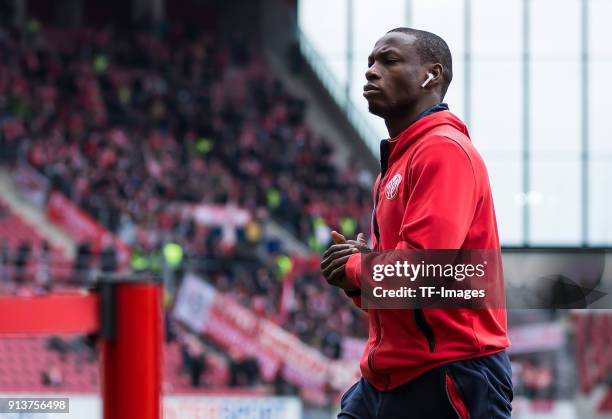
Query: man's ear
(436, 71)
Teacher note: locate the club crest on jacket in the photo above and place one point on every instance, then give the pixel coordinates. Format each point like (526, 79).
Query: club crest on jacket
(393, 186)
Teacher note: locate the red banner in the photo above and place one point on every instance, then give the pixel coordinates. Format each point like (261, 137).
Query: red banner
(243, 333)
(83, 228)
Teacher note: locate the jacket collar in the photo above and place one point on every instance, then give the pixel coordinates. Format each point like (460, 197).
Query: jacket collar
(432, 117)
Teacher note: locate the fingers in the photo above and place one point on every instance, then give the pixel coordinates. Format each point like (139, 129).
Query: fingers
(333, 266)
(336, 247)
(337, 276)
(361, 238)
(341, 253)
(337, 237)
(360, 244)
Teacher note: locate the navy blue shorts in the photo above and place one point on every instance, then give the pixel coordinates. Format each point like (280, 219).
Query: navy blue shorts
(478, 388)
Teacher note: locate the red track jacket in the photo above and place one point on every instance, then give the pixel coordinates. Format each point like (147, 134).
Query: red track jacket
(443, 202)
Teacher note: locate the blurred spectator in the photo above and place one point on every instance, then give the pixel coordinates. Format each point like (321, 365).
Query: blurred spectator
(332, 345)
(194, 359)
(5, 261)
(21, 262)
(43, 271)
(108, 258)
(82, 263)
(53, 376)
(244, 370)
(537, 380)
(284, 387)
(58, 345)
(84, 349)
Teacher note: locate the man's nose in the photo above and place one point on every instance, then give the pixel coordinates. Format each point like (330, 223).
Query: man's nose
(372, 74)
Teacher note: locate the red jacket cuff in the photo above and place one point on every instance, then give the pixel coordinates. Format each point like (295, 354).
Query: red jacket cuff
(353, 269)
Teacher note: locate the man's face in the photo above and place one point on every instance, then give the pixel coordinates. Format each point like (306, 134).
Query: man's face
(394, 75)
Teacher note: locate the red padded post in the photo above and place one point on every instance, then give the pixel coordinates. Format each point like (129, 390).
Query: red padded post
(132, 356)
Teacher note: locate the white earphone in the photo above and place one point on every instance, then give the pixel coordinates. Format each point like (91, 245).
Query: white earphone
(429, 78)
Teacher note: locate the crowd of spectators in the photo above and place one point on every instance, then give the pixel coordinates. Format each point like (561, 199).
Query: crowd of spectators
(127, 125)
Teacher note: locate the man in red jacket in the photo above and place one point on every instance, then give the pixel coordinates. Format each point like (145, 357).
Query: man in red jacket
(433, 192)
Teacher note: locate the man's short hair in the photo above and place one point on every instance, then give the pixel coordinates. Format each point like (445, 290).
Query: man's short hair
(432, 49)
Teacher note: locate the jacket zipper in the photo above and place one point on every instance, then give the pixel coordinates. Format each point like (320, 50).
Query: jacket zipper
(419, 315)
(384, 157)
(384, 161)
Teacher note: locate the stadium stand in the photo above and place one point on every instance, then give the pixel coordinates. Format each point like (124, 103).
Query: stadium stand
(129, 126)
(104, 125)
(26, 255)
(33, 365)
(68, 364)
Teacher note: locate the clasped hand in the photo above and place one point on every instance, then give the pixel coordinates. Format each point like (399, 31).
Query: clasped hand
(333, 262)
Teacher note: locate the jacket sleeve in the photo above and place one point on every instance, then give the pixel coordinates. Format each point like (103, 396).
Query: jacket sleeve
(442, 201)
(352, 270)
